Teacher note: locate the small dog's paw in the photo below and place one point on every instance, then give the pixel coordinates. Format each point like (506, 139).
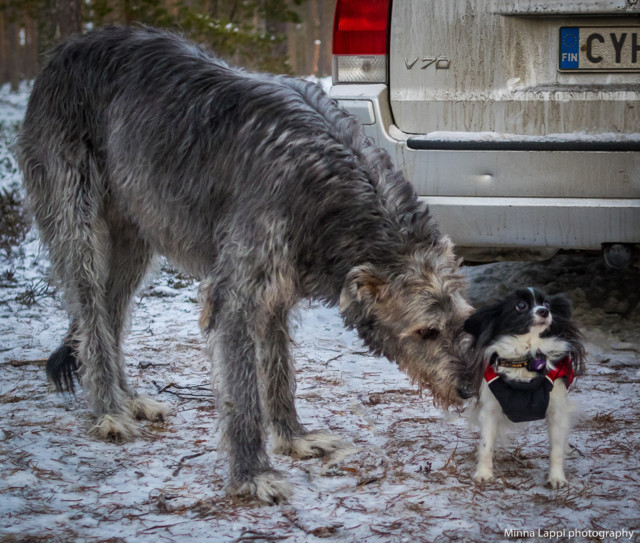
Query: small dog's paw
(144, 408)
(482, 475)
(557, 481)
(269, 487)
(313, 445)
(116, 428)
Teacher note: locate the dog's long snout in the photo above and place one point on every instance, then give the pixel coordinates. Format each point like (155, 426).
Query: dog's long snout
(465, 390)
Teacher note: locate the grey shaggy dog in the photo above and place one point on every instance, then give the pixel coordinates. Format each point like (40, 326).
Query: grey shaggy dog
(136, 142)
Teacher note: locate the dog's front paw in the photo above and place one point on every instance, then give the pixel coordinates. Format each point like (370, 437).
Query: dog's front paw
(313, 445)
(557, 480)
(269, 487)
(482, 475)
(117, 428)
(144, 408)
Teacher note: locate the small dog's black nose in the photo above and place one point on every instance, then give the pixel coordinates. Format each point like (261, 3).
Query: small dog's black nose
(542, 312)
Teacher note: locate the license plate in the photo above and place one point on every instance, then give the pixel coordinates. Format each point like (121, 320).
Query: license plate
(599, 49)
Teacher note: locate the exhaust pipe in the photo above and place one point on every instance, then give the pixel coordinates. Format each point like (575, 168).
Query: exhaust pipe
(619, 255)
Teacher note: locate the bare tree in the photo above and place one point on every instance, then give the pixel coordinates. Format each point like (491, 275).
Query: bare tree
(14, 55)
(57, 20)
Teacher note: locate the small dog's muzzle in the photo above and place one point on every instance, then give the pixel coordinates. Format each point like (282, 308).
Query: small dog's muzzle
(542, 312)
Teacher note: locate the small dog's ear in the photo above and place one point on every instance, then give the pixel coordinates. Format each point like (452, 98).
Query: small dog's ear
(482, 322)
(560, 306)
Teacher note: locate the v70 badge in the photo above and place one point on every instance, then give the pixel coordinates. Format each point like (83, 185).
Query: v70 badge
(440, 63)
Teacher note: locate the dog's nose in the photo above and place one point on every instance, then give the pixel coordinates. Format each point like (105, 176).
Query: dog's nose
(465, 391)
(542, 312)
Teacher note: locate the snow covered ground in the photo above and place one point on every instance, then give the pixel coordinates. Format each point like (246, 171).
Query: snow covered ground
(410, 479)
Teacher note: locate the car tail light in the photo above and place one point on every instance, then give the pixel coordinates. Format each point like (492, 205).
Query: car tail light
(361, 41)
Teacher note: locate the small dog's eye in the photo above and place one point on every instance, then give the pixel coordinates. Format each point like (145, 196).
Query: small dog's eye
(522, 306)
(427, 333)
(547, 305)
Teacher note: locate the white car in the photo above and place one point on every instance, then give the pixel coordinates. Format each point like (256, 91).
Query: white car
(518, 121)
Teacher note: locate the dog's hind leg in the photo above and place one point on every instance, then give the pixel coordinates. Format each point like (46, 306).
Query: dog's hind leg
(558, 423)
(130, 258)
(81, 251)
(101, 369)
(290, 436)
(67, 195)
(128, 261)
(232, 343)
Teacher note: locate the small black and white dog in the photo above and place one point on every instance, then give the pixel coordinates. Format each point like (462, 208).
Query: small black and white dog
(532, 351)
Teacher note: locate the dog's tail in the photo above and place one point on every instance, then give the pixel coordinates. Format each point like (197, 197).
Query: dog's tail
(62, 368)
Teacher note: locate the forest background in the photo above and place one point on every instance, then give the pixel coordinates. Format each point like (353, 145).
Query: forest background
(280, 36)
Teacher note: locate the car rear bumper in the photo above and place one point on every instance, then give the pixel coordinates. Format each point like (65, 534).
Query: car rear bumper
(577, 223)
(572, 192)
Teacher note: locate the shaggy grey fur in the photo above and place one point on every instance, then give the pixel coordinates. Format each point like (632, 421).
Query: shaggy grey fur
(136, 142)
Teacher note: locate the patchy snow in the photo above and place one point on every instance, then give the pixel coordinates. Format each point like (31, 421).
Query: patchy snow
(324, 82)
(12, 107)
(411, 477)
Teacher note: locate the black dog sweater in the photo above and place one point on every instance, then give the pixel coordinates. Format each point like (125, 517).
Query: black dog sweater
(524, 401)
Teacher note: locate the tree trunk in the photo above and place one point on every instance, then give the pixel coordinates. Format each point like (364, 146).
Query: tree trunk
(31, 49)
(4, 51)
(14, 56)
(314, 24)
(326, 36)
(58, 20)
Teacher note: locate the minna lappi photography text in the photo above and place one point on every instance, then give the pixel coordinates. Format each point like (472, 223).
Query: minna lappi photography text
(570, 534)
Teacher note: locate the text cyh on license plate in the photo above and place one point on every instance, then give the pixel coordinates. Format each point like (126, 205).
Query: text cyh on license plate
(602, 48)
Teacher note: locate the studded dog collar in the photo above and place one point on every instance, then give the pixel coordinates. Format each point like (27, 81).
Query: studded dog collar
(535, 363)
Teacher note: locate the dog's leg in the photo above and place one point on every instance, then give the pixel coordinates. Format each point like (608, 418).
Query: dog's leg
(232, 345)
(80, 248)
(291, 437)
(488, 417)
(128, 262)
(101, 370)
(130, 258)
(558, 423)
(69, 205)
(66, 183)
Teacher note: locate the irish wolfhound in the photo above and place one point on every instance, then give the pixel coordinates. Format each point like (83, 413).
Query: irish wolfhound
(136, 142)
